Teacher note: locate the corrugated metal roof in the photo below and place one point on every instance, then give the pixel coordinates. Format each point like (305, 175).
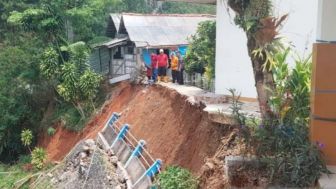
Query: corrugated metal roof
(161, 30)
(114, 42)
(116, 20)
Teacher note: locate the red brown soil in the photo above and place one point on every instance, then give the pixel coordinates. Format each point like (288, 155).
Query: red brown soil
(64, 140)
(176, 131)
(212, 175)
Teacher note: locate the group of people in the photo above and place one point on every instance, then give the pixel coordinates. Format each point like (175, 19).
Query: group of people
(160, 64)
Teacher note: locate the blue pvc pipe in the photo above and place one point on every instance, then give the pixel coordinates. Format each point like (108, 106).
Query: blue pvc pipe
(115, 116)
(121, 134)
(154, 169)
(136, 152)
(151, 171)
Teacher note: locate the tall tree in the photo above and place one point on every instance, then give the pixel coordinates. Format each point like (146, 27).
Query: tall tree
(200, 56)
(255, 18)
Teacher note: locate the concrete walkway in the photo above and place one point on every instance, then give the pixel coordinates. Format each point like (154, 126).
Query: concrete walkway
(328, 181)
(215, 104)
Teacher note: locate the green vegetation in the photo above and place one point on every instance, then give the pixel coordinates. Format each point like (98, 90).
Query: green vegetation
(51, 131)
(74, 81)
(255, 18)
(9, 175)
(43, 56)
(200, 57)
(283, 143)
(38, 157)
(187, 8)
(21, 96)
(282, 140)
(26, 137)
(177, 178)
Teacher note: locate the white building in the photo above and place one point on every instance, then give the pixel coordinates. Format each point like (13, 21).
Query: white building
(233, 65)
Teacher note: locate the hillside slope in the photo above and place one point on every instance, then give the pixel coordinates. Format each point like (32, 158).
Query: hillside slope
(176, 131)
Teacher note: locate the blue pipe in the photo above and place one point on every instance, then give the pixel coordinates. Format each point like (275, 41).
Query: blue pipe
(151, 171)
(115, 116)
(121, 134)
(136, 152)
(154, 169)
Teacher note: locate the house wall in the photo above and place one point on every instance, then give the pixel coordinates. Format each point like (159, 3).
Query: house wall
(100, 64)
(323, 97)
(125, 65)
(326, 29)
(233, 66)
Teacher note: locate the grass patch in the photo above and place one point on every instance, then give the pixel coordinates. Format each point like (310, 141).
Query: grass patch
(20, 171)
(10, 174)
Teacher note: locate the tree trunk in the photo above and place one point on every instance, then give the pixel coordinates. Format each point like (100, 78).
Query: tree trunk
(264, 81)
(80, 110)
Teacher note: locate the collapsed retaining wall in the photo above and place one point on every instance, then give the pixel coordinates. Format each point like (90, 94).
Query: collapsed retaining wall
(175, 130)
(133, 159)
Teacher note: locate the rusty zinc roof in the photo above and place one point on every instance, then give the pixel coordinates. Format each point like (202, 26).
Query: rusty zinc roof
(160, 30)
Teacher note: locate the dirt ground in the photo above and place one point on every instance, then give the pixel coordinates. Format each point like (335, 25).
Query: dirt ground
(176, 131)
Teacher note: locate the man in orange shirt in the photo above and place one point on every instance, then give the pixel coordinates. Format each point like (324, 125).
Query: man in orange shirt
(162, 60)
(175, 67)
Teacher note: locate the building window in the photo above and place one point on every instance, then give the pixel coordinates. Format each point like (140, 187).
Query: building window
(118, 53)
(130, 50)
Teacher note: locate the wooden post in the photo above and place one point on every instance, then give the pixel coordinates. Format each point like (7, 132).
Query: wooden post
(111, 63)
(100, 63)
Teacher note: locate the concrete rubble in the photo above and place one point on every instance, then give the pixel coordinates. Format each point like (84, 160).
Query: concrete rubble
(89, 166)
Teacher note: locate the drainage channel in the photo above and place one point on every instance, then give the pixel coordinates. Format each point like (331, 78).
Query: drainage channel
(134, 160)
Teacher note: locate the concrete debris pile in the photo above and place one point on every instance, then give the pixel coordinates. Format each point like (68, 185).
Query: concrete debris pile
(89, 166)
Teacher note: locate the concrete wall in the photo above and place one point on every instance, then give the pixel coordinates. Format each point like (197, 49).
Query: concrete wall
(326, 29)
(323, 97)
(233, 66)
(300, 27)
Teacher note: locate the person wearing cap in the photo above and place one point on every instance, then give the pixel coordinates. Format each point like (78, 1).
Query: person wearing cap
(174, 67)
(162, 60)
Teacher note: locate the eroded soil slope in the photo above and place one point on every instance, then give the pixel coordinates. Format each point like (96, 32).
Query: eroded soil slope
(64, 140)
(176, 131)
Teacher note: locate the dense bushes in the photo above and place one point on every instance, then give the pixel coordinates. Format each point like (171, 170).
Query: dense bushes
(29, 28)
(200, 57)
(38, 157)
(283, 142)
(177, 178)
(19, 91)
